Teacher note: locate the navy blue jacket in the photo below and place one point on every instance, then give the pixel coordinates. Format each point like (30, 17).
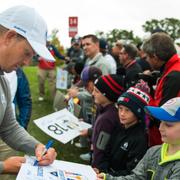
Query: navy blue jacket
(22, 99)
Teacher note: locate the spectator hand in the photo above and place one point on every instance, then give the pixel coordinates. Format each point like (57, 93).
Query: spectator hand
(84, 132)
(67, 59)
(48, 158)
(81, 119)
(147, 72)
(96, 170)
(13, 164)
(101, 176)
(73, 92)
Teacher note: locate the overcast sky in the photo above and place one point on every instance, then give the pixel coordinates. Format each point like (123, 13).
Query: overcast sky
(102, 15)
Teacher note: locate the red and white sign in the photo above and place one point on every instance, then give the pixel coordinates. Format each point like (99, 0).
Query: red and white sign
(73, 26)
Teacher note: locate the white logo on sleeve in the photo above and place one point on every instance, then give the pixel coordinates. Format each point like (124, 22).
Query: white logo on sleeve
(124, 146)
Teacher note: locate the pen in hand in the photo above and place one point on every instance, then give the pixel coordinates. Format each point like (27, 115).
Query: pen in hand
(47, 146)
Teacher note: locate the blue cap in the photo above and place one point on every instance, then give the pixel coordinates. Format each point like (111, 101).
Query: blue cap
(170, 111)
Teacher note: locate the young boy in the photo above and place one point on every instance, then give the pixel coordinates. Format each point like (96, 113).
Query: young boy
(88, 76)
(162, 161)
(106, 91)
(128, 143)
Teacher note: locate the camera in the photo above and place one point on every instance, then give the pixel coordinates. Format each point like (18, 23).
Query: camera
(151, 79)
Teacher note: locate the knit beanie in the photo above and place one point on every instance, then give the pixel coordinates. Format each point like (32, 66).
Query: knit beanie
(111, 86)
(135, 99)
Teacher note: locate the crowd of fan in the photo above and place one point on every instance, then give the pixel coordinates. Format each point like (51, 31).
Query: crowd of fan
(114, 88)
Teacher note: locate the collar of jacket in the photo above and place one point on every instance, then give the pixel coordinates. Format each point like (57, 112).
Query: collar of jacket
(170, 62)
(165, 158)
(95, 59)
(130, 64)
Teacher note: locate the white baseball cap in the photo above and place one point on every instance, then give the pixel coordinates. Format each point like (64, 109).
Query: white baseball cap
(28, 23)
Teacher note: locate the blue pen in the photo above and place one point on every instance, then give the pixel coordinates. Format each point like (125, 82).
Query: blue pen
(48, 145)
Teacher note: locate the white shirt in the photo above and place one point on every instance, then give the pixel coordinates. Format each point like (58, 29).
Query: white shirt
(12, 79)
(111, 61)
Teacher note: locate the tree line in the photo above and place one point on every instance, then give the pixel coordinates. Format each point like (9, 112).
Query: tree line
(169, 25)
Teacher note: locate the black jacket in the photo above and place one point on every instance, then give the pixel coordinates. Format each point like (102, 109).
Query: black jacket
(132, 69)
(125, 150)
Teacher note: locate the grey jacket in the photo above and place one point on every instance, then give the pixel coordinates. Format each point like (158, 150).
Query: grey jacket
(149, 169)
(100, 62)
(86, 102)
(10, 131)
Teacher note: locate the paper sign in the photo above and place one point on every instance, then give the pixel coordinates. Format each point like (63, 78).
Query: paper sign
(61, 79)
(59, 170)
(61, 125)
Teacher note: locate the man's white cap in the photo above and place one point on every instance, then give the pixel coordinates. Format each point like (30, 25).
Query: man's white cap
(28, 23)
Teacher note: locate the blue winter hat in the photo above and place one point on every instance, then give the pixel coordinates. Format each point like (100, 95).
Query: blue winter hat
(170, 111)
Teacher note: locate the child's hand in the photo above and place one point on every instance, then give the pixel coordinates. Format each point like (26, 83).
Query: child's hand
(84, 132)
(101, 176)
(81, 119)
(73, 92)
(96, 170)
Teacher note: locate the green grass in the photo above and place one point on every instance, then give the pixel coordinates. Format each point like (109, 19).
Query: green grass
(67, 152)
